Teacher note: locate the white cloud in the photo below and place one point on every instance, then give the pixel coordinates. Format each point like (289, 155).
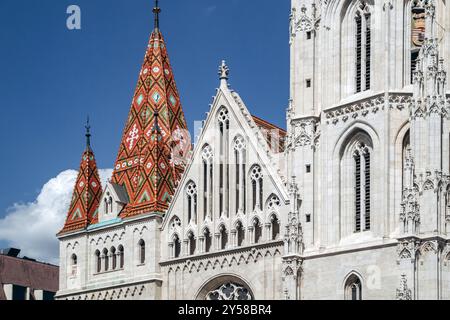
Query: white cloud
(33, 226)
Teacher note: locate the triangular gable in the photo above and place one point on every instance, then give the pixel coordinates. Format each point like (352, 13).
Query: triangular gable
(244, 123)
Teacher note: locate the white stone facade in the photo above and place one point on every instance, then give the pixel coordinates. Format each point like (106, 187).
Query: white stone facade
(357, 206)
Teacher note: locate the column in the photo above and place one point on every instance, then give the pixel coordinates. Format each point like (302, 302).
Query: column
(233, 238)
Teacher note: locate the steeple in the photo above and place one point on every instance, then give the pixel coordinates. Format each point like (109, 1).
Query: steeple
(155, 139)
(88, 134)
(86, 193)
(156, 11)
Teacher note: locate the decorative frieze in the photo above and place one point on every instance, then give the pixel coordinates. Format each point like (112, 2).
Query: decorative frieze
(304, 132)
(305, 21)
(355, 110)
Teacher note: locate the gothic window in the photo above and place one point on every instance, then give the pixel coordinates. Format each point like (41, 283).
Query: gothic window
(192, 243)
(240, 232)
(363, 47)
(361, 157)
(207, 163)
(256, 177)
(257, 230)
(224, 126)
(176, 247)
(230, 291)
(74, 260)
(275, 227)
(98, 261)
(113, 258)
(121, 257)
(191, 192)
(208, 240)
(353, 288)
(273, 203)
(223, 238)
(110, 204)
(175, 223)
(406, 158)
(106, 205)
(73, 265)
(356, 185)
(106, 259)
(239, 153)
(141, 246)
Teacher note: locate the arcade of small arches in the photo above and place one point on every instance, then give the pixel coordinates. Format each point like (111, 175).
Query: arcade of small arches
(112, 259)
(223, 239)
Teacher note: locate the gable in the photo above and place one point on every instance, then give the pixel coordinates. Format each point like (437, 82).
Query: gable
(228, 113)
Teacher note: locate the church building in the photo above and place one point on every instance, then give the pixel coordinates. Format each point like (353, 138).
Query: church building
(351, 201)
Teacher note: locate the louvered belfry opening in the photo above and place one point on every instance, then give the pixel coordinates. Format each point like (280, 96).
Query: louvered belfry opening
(362, 161)
(358, 53)
(363, 47)
(357, 192)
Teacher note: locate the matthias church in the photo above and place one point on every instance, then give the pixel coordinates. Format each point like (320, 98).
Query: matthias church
(350, 201)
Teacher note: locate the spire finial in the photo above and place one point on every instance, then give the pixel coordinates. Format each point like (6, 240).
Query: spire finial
(88, 134)
(156, 11)
(224, 71)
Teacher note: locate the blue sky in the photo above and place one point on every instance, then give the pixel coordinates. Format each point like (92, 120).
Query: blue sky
(51, 77)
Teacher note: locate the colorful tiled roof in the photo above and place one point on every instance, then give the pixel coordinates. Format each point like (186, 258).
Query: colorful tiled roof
(155, 140)
(274, 135)
(86, 194)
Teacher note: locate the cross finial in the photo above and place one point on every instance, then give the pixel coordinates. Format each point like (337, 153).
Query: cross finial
(156, 11)
(224, 71)
(88, 134)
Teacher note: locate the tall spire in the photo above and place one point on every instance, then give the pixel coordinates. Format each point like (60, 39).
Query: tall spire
(88, 134)
(156, 11)
(86, 193)
(155, 140)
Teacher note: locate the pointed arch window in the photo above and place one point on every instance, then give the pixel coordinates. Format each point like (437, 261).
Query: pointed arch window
(191, 193)
(141, 247)
(363, 47)
(73, 264)
(275, 227)
(239, 153)
(121, 257)
(106, 259)
(74, 260)
(192, 243)
(353, 288)
(113, 258)
(207, 172)
(256, 178)
(176, 247)
(257, 231)
(208, 240)
(224, 170)
(105, 201)
(98, 261)
(240, 232)
(223, 238)
(406, 161)
(362, 159)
